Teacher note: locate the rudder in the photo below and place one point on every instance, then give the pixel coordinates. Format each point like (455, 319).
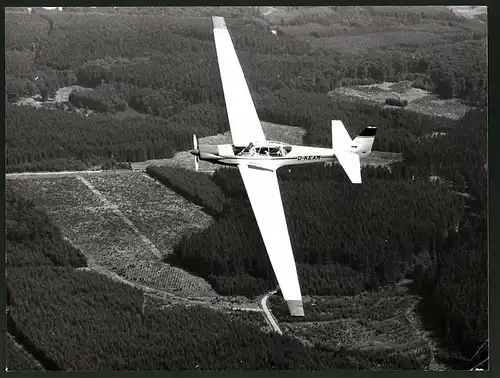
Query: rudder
(340, 137)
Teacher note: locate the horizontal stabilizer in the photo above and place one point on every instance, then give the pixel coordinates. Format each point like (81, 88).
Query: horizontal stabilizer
(351, 164)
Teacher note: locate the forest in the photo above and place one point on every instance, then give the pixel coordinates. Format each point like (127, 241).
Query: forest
(372, 212)
(423, 247)
(74, 320)
(166, 68)
(39, 138)
(439, 244)
(152, 80)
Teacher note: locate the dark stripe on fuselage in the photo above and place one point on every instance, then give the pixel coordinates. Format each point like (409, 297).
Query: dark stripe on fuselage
(259, 168)
(256, 157)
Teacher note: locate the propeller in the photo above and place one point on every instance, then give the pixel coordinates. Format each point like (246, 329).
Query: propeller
(196, 159)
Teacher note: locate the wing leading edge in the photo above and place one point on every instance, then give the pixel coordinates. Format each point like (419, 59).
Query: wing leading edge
(243, 120)
(265, 197)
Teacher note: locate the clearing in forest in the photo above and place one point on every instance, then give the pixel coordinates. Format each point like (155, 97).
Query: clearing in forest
(112, 232)
(375, 322)
(469, 11)
(419, 100)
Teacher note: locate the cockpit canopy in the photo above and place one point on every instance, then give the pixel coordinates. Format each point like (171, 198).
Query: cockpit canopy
(270, 148)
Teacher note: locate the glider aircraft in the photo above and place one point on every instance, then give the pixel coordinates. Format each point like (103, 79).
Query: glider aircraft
(258, 159)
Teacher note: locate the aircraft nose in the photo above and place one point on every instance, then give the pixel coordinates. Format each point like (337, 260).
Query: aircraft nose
(195, 152)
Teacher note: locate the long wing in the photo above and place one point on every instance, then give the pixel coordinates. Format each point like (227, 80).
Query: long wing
(264, 193)
(243, 119)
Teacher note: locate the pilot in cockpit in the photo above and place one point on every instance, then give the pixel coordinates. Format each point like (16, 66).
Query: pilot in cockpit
(248, 150)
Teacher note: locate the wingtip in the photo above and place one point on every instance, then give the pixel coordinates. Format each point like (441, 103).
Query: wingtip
(218, 22)
(296, 308)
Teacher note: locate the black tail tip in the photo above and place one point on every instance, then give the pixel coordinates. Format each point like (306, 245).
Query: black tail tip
(369, 131)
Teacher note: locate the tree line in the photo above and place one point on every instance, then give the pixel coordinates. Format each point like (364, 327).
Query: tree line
(197, 188)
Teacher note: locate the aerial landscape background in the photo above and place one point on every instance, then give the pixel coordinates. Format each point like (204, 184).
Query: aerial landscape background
(121, 257)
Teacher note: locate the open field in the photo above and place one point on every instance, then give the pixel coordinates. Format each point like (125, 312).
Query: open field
(55, 193)
(419, 101)
(62, 96)
(359, 316)
(156, 211)
(157, 215)
(469, 11)
(381, 159)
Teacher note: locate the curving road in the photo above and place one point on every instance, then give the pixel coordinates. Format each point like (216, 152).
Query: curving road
(268, 314)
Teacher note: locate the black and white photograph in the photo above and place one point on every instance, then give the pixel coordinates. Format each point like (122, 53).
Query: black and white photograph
(246, 188)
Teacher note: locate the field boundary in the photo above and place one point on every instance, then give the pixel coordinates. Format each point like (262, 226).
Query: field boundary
(162, 294)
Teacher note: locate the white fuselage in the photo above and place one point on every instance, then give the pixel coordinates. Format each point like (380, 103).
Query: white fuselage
(224, 155)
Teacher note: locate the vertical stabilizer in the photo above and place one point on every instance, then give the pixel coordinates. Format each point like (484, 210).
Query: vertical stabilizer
(363, 143)
(341, 140)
